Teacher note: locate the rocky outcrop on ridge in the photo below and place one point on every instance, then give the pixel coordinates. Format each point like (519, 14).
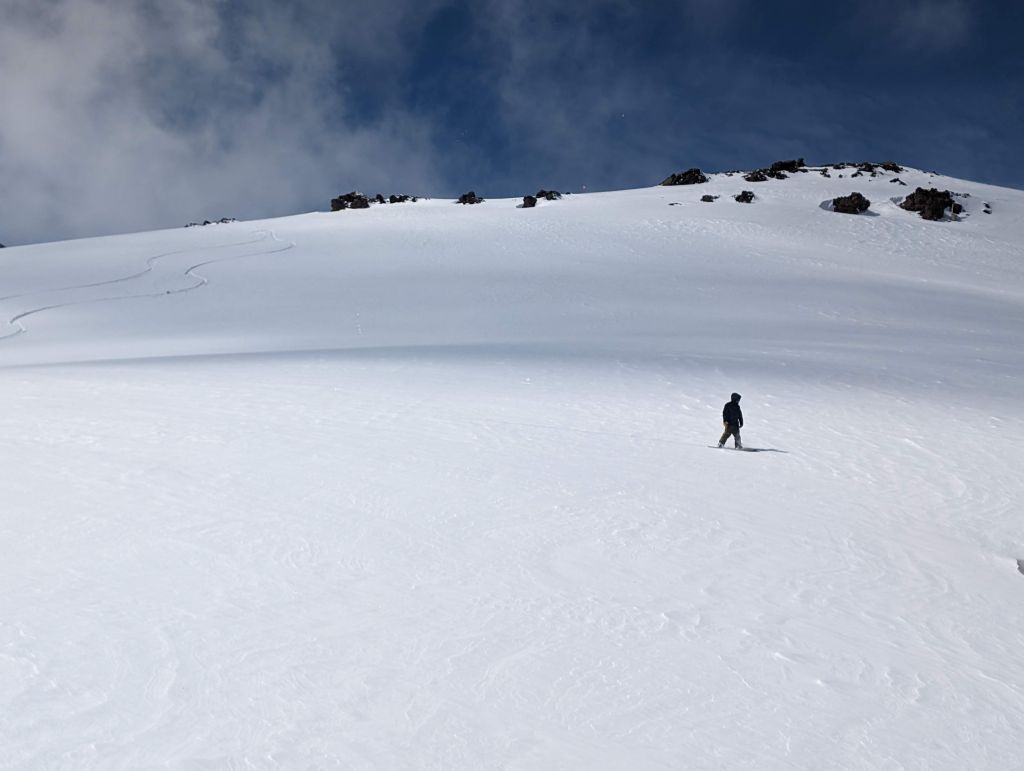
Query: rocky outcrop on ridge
(221, 221)
(529, 201)
(689, 177)
(356, 200)
(854, 203)
(791, 166)
(470, 197)
(931, 204)
(353, 200)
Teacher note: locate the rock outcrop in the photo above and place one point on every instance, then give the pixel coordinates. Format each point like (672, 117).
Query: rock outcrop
(854, 203)
(221, 221)
(353, 200)
(688, 177)
(791, 166)
(529, 201)
(747, 196)
(708, 198)
(931, 204)
(470, 197)
(756, 176)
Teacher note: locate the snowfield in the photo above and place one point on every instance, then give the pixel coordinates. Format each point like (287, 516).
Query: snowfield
(429, 486)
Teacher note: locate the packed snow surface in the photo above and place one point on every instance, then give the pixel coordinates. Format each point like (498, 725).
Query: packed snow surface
(430, 486)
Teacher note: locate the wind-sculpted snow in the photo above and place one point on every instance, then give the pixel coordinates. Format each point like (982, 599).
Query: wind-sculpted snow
(430, 487)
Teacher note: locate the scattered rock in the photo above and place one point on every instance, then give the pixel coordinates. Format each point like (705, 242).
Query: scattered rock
(892, 166)
(1020, 567)
(824, 173)
(857, 173)
(854, 203)
(791, 166)
(221, 221)
(747, 196)
(470, 197)
(379, 198)
(402, 198)
(898, 181)
(549, 195)
(988, 208)
(756, 176)
(709, 198)
(689, 177)
(353, 200)
(529, 201)
(931, 204)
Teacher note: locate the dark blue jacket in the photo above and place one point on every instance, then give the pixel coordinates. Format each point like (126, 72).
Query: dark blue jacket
(732, 414)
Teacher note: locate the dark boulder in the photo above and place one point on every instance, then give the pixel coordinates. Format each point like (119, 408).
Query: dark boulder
(854, 203)
(756, 176)
(791, 166)
(688, 177)
(891, 166)
(353, 200)
(221, 221)
(709, 198)
(897, 181)
(549, 195)
(747, 196)
(402, 198)
(931, 204)
(529, 201)
(470, 197)
(380, 199)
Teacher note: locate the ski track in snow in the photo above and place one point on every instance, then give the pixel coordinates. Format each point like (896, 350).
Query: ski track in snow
(150, 266)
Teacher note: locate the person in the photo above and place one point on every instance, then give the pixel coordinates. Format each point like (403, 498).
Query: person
(732, 417)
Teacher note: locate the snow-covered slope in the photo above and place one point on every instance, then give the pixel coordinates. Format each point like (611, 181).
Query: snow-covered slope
(429, 486)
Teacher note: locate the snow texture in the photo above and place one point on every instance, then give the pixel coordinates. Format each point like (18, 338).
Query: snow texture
(429, 486)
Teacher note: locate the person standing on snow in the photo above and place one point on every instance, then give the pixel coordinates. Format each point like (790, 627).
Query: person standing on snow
(732, 417)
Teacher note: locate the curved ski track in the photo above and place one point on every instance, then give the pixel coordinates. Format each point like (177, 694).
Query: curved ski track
(151, 264)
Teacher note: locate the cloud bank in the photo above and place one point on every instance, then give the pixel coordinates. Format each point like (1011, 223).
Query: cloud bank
(142, 115)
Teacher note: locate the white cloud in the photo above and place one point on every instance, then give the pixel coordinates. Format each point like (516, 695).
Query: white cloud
(117, 116)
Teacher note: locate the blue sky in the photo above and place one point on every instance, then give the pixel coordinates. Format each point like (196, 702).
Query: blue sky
(119, 116)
